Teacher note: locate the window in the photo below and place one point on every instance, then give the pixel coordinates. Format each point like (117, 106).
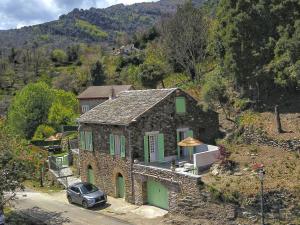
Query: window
(154, 147)
(86, 140)
(180, 105)
(85, 108)
(75, 189)
(117, 145)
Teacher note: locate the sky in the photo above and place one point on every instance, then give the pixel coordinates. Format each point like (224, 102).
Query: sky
(19, 13)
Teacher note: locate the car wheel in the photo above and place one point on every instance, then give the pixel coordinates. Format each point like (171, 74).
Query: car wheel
(85, 204)
(70, 200)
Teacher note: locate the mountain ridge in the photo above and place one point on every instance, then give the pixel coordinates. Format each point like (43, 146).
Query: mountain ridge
(92, 25)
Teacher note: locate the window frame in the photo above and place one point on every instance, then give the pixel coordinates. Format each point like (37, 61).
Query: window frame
(85, 108)
(87, 141)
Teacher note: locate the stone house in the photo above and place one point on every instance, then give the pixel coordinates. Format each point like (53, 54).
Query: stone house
(128, 146)
(95, 95)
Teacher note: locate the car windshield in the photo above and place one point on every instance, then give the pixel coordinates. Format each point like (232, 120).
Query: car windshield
(88, 188)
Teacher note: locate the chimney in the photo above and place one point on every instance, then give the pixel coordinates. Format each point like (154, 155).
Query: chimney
(112, 94)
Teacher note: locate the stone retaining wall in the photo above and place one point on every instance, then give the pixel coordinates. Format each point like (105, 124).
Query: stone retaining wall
(250, 136)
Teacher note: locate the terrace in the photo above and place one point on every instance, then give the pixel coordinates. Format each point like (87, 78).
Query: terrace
(202, 158)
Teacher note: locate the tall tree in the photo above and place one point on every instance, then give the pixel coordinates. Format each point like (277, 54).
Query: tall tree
(185, 38)
(29, 109)
(97, 74)
(13, 171)
(151, 75)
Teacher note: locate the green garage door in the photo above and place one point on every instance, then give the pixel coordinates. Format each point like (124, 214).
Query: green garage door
(157, 194)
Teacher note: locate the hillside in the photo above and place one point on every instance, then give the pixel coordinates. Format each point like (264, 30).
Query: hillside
(92, 25)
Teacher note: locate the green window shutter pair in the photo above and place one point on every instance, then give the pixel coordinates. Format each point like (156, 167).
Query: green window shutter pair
(180, 105)
(86, 140)
(89, 140)
(112, 145)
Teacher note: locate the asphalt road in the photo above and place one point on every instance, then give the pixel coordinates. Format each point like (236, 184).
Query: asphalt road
(52, 211)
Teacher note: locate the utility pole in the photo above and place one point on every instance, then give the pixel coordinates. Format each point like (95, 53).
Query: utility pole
(261, 173)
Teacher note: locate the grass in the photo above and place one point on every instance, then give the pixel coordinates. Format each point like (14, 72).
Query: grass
(35, 185)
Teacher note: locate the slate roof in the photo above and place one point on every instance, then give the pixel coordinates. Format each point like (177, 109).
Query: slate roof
(127, 107)
(102, 91)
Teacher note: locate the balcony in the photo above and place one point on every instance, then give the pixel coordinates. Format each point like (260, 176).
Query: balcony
(203, 157)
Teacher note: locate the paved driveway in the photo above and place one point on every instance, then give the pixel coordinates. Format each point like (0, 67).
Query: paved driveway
(53, 209)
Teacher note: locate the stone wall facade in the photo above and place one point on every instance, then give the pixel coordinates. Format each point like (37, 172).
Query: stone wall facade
(180, 186)
(106, 167)
(164, 119)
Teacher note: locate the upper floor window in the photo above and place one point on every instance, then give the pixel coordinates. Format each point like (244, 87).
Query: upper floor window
(85, 108)
(117, 145)
(86, 140)
(180, 105)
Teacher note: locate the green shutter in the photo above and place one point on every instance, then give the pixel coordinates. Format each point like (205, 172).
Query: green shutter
(190, 133)
(81, 136)
(123, 150)
(86, 140)
(161, 148)
(111, 144)
(91, 141)
(180, 105)
(146, 149)
(178, 147)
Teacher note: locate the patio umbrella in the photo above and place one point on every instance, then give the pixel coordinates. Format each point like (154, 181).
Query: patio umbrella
(190, 143)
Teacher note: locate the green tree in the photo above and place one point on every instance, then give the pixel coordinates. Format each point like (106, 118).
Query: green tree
(29, 109)
(151, 75)
(63, 110)
(257, 43)
(59, 56)
(73, 53)
(97, 74)
(13, 171)
(185, 38)
(214, 92)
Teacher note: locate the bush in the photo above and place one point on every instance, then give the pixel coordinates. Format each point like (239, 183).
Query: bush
(43, 131)
(59, 56)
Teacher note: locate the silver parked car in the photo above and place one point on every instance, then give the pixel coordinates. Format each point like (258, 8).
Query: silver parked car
(85, 194)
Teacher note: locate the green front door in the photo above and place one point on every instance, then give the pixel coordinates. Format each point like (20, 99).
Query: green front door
(120, 187)
(157, 194)
(90, 176)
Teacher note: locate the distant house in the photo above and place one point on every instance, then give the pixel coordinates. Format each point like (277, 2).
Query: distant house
(128, 146)
(95, 95)
(125, 50)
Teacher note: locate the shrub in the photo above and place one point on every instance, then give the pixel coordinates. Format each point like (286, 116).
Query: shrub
(58, 56)
(43, 131)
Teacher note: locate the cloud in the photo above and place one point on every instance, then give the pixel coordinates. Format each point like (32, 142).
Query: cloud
(18, 13)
